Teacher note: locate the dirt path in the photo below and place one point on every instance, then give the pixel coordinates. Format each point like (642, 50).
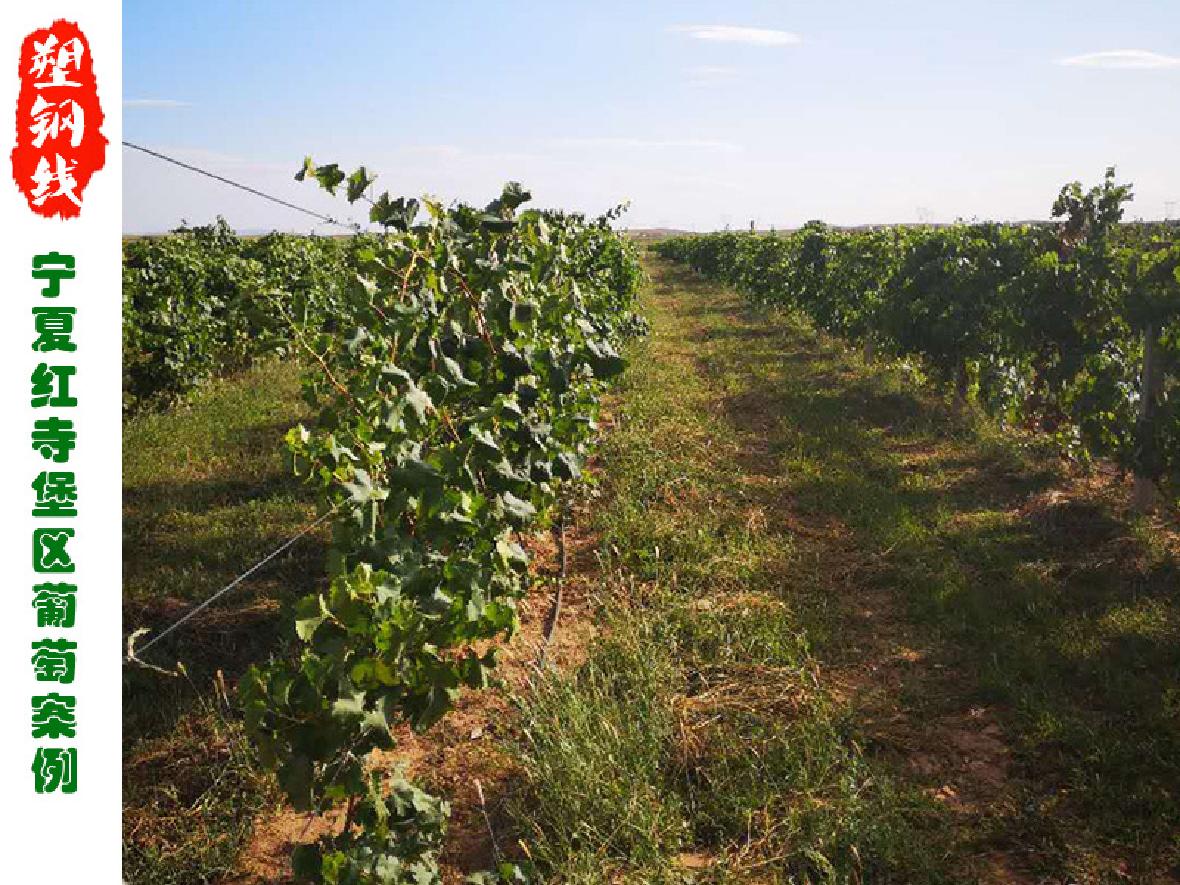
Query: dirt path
(975, 604)
(896, 682)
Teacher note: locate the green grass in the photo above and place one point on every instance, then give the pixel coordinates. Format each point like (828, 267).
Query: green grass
(207, 493)
(1039, 597)
(699, 736)
(825, 578)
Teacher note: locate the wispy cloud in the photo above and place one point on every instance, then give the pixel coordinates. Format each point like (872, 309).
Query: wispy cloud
(1127, 59)
(704, 181)
(432, 150)
(154, 103)
(735, 34)
(207, 159)
(695, 144)
(711, 75)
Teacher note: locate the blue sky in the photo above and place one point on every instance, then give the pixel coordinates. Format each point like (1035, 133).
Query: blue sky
(701, 113)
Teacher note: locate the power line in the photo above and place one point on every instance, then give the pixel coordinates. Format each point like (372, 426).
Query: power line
(327, 219)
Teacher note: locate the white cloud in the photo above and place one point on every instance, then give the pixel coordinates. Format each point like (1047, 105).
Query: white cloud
(202, 156)
(711, 75)
(432, 150)
(215, 160)
(713, 71)
(1127, 59)
(154, 103)
(734, 34)
(648, 144)
(704, 181)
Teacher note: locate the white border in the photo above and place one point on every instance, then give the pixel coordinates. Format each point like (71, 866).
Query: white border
(65, 838)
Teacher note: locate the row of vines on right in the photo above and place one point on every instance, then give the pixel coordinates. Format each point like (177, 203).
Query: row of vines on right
(1070, 327)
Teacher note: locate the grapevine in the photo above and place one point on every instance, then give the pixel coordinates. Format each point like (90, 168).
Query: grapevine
(1045, 325)
(457, 389)
(203, 301)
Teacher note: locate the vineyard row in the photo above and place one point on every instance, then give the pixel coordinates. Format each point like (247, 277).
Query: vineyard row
(455, 363)
(1071, 328)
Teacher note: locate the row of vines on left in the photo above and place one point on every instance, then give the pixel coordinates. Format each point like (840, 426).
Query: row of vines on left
(456, 398)
(204, 301)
